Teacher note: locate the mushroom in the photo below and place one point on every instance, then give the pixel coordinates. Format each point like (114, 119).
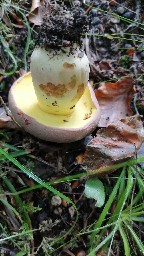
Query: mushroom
(59, 78)
(54, 101)
(25, 109)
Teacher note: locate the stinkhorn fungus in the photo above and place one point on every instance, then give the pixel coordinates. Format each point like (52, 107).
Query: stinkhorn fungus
(55, 102)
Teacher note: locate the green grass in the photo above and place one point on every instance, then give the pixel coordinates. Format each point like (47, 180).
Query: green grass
(128, 209)
(127, 197)
(9, 7)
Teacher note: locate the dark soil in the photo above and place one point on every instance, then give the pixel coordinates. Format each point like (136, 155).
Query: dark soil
(115, 47)
(63, 25)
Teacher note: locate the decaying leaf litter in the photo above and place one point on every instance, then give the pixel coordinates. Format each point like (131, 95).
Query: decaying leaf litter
(115, 50)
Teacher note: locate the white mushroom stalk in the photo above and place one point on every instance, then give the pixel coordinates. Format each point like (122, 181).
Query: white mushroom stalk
(59, 78)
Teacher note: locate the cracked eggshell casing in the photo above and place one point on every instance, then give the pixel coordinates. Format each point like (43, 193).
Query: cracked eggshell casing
(59, 78)
(49, 127)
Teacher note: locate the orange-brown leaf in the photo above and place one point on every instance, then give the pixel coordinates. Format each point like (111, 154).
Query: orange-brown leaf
(114, 100)
(130, 52)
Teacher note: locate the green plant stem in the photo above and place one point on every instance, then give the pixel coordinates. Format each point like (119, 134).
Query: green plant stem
(27, 40)
(120, 205)
(136, 238)
(18, 201)
(106, 208)
(7, 49)
(125, 241)
(9, 206)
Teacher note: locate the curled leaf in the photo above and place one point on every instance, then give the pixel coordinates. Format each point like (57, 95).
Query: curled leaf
(114, 144)
(114, 100)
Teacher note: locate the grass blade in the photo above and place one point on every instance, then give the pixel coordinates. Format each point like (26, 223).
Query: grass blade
(125, 241)
(136, 238)
(106, 208)
(44, 184)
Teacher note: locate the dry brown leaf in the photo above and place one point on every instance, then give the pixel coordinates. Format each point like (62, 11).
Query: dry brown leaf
(6, 121)
(35, 4)
(105, 65)
(114, 100)
(37, 12)
(116, 143)
(131, 51)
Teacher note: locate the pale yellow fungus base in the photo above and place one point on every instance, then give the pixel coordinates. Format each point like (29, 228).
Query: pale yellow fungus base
(66, 128)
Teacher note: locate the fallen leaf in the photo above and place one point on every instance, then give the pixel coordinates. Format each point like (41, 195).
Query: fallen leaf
(116, 143)
(131, 51)
(105, 65)
(114, 100)
(6, 121)
(36, 4)
(37, 12)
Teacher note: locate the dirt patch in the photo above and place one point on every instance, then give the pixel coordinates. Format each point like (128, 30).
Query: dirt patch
(62, 25)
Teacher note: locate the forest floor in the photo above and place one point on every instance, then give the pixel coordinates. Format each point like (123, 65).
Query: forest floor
(34, 221)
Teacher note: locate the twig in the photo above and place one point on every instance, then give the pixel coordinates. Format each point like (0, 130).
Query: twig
(90, 7)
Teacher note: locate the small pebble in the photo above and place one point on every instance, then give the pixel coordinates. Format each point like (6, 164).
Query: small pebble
(58, 211)
(102, 50)
(76, 3)
(81, 253)
(56, 200)
(114, 20)
(120, 10)
(93, 12)
(127, 46)
(128, 15)
(71, 211)
(104, 6)
(95, 21)
(142, 54)
(115, 49)
(96, 3)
